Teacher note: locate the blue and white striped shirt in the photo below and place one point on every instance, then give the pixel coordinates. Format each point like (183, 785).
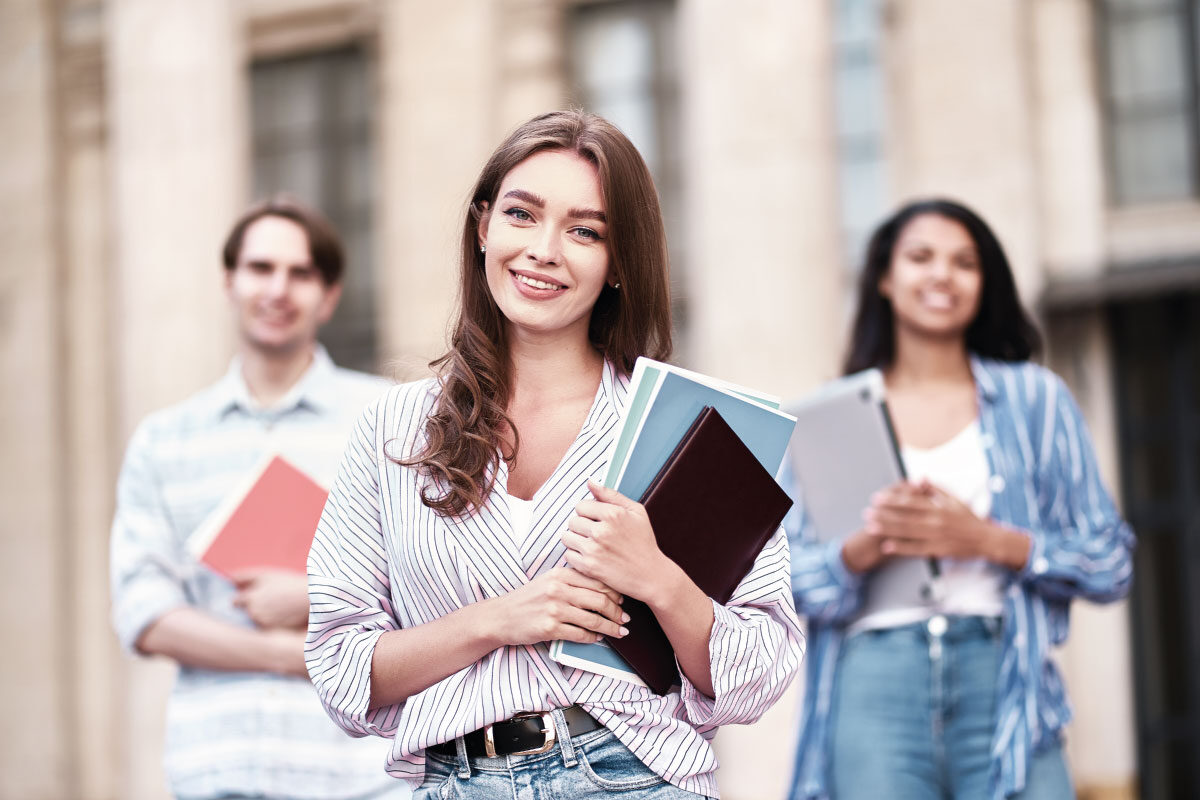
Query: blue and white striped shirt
(382, 560)
(1049, 487)
(234, 733)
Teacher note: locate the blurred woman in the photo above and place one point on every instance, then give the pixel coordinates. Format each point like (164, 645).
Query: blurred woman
(463, 533)
(956, 697)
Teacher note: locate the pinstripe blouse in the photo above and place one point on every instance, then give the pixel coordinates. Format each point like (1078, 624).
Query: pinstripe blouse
(1045, 483)
(382, 560)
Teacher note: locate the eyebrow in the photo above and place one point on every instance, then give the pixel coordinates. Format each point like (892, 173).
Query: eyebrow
(538, 202)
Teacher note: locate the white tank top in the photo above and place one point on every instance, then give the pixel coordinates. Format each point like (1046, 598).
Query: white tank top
(966, 587)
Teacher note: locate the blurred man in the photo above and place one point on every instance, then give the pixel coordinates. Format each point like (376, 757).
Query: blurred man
(243, 720)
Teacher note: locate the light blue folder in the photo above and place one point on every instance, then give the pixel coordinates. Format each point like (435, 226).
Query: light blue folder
(765, 431)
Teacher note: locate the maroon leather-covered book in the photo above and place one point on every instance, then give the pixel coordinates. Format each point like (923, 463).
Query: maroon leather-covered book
(713, 508)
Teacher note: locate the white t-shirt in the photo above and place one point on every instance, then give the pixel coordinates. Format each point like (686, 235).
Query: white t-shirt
(966, 587)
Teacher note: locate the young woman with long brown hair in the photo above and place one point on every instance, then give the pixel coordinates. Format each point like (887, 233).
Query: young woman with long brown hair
(464, 533)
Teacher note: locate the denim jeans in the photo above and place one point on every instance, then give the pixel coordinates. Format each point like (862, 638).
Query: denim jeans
(398, 791)
(593, 764)
(914, 710)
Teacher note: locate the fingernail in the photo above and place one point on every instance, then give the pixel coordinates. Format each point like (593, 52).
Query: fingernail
(624, 631)
(620, 599)
(624, 618)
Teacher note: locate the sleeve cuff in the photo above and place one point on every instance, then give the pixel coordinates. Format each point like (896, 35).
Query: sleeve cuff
(1037, 564)
(838, 569)
(699, 707)
(350, 705)
(139, 609)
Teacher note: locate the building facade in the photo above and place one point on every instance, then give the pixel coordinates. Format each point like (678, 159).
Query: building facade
(779, 133)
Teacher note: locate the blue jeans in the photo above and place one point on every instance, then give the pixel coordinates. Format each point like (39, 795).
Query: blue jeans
(593, 764)
(914, 712)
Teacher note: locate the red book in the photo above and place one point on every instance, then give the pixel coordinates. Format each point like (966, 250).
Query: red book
(269, 522)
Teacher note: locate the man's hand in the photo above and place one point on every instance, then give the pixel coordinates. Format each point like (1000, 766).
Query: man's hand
(273, 598)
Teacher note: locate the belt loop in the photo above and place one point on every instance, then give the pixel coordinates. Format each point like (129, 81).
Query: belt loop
(464, 761)
(565, 745)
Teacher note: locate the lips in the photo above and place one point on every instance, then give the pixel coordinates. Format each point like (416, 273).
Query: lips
(939, 301)
(532, 282)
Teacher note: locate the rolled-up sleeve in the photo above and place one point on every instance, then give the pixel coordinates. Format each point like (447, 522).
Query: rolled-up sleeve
(755, 648)
(1083, 548)
(349, 591)
(823, 588)
(146, 560)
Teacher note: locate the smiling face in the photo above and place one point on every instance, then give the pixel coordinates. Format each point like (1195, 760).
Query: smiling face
(547, 253)
(934, 280)
(277, 293)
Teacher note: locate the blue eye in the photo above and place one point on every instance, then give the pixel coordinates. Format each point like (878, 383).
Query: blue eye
(587, 233)
(519, 213)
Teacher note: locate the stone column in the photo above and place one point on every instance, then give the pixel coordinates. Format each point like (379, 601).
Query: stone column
(1068, 124)
(437, 103)
(179, 147)
(764, 267)
(92, 448)
(760, 187)
(34, 743)
(962, 106)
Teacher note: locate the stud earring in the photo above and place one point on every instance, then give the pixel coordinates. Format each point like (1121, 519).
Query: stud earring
(483, 248)
(617, 285)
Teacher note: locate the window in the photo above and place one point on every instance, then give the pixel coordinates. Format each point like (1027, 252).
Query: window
(311, 122)
(859, 99)
(623, 68)
(1151, 83)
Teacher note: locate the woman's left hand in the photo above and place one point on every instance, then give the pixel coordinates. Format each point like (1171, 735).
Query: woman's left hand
(609, 538)
(919, 519)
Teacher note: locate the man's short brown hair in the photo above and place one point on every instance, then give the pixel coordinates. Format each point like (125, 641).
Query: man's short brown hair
(324, 245)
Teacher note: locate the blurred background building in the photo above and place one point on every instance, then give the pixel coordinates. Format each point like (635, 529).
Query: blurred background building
(780, 131)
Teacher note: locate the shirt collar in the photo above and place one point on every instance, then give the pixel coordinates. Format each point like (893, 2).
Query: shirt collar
(314, 390)
(984, 381)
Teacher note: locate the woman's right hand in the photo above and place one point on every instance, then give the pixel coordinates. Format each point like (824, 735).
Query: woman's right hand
(559, 604)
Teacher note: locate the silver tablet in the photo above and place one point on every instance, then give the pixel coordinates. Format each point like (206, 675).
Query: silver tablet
(843, 450)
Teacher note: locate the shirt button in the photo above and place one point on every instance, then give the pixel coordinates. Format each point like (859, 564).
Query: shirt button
(1040, 565)
(937, 625)
(996, 484)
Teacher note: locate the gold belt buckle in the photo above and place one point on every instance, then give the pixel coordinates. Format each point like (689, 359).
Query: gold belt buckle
(548, 730)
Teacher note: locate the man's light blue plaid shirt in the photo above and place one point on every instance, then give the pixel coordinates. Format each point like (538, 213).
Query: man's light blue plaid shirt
(1038, 445)
(234, 733)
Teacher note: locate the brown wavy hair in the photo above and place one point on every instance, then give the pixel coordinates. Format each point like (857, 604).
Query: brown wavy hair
(463, 439)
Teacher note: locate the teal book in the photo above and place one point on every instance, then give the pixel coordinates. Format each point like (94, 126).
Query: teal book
(677, 402)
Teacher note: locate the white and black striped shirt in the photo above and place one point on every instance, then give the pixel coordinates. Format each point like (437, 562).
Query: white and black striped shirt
(382, 560)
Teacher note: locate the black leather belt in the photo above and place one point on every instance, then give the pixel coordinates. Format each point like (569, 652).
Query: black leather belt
(525, 734)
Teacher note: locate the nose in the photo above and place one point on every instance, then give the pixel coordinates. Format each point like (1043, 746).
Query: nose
(277, 285)
(544, 247)
(942, 269)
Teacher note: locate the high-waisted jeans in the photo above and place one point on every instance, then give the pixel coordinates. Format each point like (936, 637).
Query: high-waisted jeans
(591, 765)
(914, 711)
